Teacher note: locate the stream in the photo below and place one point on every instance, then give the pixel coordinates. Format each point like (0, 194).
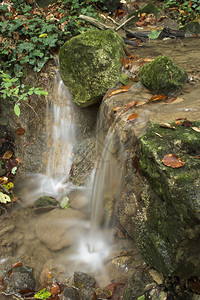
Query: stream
(67, 240)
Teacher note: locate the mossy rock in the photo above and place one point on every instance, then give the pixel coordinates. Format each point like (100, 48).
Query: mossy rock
(149, 8)
(90, 64)
(45, 201)
(168, 233)
(191, 28)
(162, 76)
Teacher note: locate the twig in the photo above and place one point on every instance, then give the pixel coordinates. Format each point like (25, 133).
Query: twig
(125, 22)
(112, 20)
(32, 109)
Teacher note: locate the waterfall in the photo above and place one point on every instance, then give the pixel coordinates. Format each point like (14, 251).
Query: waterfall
(61, 138)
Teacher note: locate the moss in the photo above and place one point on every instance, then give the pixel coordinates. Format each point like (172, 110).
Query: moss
(45, 202)
(90, 64)
(2, 168)
(168, 234)
(162, 76)
(149, 8)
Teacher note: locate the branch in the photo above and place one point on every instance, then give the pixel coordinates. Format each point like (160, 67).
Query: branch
(95, 22)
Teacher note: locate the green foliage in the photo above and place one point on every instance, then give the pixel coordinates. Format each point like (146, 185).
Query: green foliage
(43, 294)
(186, 10)
(12, 89)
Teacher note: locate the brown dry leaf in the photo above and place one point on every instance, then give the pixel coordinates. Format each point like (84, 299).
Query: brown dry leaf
(157, 98)
(173, 161)
(128, 105)
(171, 100)
(115, 109)
(197, 157)
(123, 89)
(167, 125)
(140, 103)
(16, 264)
(7, 155)
(4, 180)
(20, 131)
(55, 289)
(187, 123)
(197, 129)
(132, 117)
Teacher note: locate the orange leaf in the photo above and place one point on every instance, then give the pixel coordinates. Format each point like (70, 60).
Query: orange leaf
(116, 108)
(128, 105)
(20, 131)
(132, 117)
(123, 89)
(173, 161)
(55, 289)
(7, 155)
(16, 264)
(157, 98)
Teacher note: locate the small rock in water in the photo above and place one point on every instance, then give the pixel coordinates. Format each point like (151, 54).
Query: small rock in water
(45, 201)
(84, 280)
(157, 277)
(71, 293)
(20, 278)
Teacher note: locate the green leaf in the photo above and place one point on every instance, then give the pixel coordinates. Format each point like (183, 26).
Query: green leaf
(17, 110)
(43, 294)
(64, 203)
(14, 170)
(40, 92)
(154, 34)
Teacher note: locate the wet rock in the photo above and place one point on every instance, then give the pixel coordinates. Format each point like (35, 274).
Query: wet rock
(103, 293)
(84, 280)
(84, 160)
(71, 293)
(191, 28)
(168, 230)
(58, 228)
(136, 285)
(45, 202)
(90, 64)
(21, 278)
(2, 168)
(162, 76)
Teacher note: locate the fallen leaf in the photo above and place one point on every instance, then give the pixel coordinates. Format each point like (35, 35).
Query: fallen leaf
(157, 98)
(115, 109)
(173, 161)
(178, 119)
(197, 129)
(123, 89)
(167, 125)
(55, 289)
(7, 155)
(128, 105)
(16, 264)
(4, 198)
(26, 144)
(197, 157)
(187, 123)
(178, 123)
(140, 103)
(20, 131)
(170, 100)
(132, 117)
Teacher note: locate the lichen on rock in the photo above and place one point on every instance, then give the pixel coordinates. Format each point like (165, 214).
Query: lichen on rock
(90, 64)
(162, 76)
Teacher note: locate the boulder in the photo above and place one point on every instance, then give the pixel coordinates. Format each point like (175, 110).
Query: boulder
(168, 229)
(90, 64)
(162, 76)
(21, 278)
(191, 28)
